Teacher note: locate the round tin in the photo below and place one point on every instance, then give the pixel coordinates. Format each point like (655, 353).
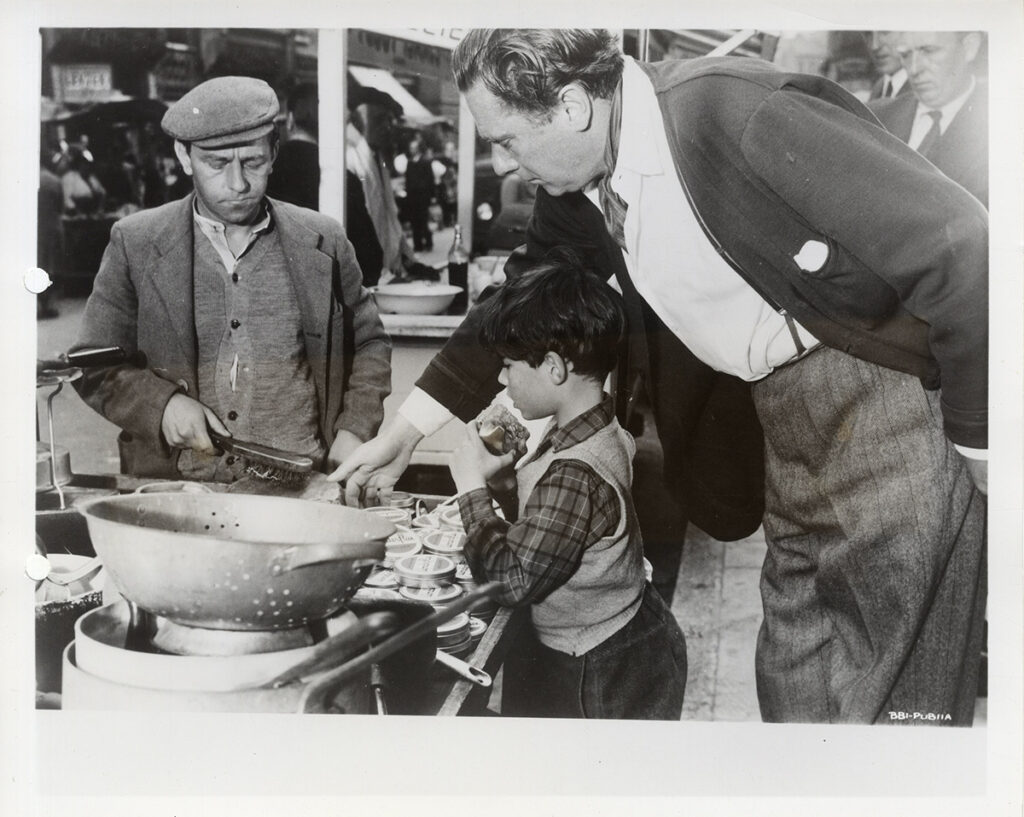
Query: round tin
(444, 542)
(477, 628)
(459, 649)
(424, 570)
(381, 579)
(401, 499)
(464, 576)
(451, 517)
(455, 629)
(438, 596)
(397, 516)
(403, 543)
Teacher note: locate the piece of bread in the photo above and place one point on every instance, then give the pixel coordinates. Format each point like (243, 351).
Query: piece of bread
(502, 432)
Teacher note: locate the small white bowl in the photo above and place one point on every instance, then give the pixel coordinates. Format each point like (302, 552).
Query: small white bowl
(415, 298)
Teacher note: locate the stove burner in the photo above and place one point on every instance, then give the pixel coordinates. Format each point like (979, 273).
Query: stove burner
(182, 639)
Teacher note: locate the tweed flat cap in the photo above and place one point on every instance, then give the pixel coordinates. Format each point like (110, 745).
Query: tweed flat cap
(223, 111)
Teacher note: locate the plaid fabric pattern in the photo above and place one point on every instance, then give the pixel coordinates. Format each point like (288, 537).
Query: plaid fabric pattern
(570, 509)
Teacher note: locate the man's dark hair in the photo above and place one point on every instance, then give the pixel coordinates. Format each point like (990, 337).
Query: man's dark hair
(526, 68)
(556, 306)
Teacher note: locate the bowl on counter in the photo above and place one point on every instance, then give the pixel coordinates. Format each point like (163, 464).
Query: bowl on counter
(415, 297)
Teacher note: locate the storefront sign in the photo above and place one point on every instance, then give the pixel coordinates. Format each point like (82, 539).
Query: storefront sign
(439, 37)
(81, 82)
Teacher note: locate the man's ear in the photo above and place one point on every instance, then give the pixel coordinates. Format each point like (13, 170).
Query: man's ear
(183, 157)
(557, 367)
(972, 45)
(577, 106)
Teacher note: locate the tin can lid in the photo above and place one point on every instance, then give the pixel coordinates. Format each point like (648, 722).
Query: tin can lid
(444, 541)
(451, 517)
(401, 499)
(425, 566)
(398, 516)
(403, 543)
(463, 575)
(432, 595)
(455, 625)
(477, 627)
(381, 578)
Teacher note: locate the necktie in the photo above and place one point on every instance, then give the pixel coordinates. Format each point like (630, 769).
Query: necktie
(886, 87)
(930, 138)
(612, 205)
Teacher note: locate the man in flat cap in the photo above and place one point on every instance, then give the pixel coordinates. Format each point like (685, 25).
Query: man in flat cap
(250, 312)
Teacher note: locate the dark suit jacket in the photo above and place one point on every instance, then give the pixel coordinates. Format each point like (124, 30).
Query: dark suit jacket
(769, 161)
(962, 152)
(142, 300)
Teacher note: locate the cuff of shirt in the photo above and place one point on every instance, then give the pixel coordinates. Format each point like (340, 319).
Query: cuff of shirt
(972, 453)
(475, 506)
(424, 412)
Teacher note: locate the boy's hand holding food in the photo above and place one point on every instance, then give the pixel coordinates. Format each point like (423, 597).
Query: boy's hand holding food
(472, 465)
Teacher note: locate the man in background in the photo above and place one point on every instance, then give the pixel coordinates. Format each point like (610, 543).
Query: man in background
(946, 117)
(296, 176)
(893, 77)
(371, 218)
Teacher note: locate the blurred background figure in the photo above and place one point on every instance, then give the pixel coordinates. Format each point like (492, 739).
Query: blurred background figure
(448, 186)
(296, 176)
(892, 80)
(946, 116)
(419, 192)
(84, 195)
(371, 218)
(50, 203)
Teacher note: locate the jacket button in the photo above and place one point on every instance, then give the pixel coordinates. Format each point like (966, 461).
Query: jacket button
(232, 415)
(234, 277)
(230, 460)
(235, 323)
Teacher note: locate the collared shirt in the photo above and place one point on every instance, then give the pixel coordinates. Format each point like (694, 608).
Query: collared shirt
(923, 120)
(674, 265)
(892, 83)
(217, 234)
(569, 510)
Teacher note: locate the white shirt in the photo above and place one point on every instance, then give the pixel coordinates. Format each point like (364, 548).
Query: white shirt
(894, 81)
(923, 122)
(674, 265)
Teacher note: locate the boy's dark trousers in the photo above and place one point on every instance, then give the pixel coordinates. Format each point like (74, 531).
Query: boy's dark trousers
(637, 673)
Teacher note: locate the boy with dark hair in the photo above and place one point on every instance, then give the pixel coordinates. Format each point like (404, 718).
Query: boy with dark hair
(602, 643)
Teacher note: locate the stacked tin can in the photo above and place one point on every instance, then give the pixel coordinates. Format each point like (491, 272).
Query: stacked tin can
(424, 561)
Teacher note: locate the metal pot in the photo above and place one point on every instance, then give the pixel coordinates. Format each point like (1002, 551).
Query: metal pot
(233, 561)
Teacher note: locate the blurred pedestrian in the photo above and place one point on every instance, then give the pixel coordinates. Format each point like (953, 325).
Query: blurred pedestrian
(296, 176)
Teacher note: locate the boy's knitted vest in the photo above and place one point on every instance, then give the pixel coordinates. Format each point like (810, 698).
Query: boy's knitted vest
(605, 591)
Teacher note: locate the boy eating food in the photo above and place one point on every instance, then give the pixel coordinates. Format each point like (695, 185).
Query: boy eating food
(601, 643)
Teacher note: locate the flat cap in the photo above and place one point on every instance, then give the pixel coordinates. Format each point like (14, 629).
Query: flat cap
(223, 111)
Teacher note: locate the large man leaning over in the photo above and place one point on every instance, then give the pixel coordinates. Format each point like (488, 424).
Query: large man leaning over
(801, 284)
(250, 312)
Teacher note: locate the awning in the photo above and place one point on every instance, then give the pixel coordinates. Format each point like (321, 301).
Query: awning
(414, 111)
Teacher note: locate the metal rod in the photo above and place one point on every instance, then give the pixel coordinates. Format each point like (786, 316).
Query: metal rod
(734, 42)
(53, 446)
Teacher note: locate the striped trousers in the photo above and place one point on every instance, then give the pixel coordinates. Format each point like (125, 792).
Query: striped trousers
(874, 583)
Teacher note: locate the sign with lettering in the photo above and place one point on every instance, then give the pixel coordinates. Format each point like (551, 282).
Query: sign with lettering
(80, 82)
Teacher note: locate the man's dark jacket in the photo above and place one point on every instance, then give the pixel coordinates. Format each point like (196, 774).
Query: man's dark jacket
(771, 160)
